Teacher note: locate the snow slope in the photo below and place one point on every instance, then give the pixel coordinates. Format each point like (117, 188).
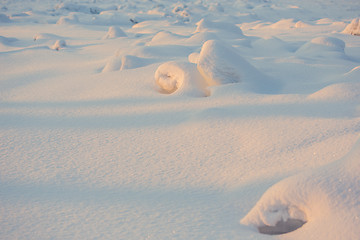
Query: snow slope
(173, 119)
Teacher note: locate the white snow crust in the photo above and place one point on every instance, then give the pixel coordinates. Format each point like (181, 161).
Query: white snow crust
(202, 119)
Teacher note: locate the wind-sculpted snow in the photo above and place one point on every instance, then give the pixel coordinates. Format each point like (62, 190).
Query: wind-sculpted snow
(323, 47)
(180, 77)
(353, 28)
(114, 32)
(222, 64)
(317, 199)
(163, 119)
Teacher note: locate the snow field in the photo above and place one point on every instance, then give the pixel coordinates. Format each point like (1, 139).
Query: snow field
(179, 120)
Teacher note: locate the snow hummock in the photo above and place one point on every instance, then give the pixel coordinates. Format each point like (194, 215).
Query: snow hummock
(221, 64)
(353, 28)
(114, 32)
(180, 77)
(320, 198)
(59, 44)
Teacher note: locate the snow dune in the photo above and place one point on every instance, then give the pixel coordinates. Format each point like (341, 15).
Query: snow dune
(179, 119)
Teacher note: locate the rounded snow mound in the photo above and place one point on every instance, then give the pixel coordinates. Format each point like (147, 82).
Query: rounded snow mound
(220, 64)
(113, 64)
(353, 28)
(224, 29)
(180, 77)
(114, 32)
(314, 201)
(165, 37)
(322, 46)
(59, 44)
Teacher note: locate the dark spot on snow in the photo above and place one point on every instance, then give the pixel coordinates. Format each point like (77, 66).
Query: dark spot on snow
(282, 227)
(133, 21)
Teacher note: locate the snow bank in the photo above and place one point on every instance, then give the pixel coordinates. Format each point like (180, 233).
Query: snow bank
(180, 77)
(353, 28)
(322, 199)
(220, 64)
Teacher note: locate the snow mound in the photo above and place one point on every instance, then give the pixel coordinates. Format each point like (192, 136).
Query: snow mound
(353, 28)
(114, 32)
(113, 64)
(323, 47)
(180, 77)
(321, 199)
(130, 62)
(220, 64)
(223, 29)
(59, 44)
(165, 38)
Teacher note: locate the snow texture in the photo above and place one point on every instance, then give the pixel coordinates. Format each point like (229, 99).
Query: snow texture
(203, 119)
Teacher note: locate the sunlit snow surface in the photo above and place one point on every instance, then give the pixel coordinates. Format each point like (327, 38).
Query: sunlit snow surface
(179, 119)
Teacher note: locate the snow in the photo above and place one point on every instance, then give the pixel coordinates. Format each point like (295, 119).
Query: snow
(179, 119)
(353, 27)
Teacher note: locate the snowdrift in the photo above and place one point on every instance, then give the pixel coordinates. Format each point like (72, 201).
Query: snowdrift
(221, 64)
(313, 201)
(353, 28)
(181, 77)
